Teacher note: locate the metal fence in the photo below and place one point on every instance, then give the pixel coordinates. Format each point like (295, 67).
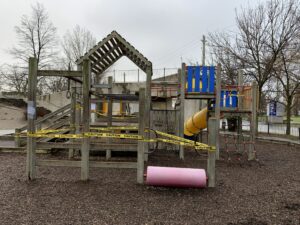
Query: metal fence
(274, 128)
(137, 75)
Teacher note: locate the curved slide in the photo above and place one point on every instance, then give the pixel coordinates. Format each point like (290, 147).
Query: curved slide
(196, 123)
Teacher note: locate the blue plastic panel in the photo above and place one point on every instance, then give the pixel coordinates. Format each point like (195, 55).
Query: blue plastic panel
(211, 79)
(197, 79)
(204, 79)
(190, 79)
(234, 98)
(222, 99)
(227, 102)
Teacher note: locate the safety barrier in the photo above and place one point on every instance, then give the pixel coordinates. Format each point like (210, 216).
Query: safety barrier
(172, 139)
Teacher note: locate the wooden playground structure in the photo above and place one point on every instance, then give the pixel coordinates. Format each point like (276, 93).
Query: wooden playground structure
(109, 132)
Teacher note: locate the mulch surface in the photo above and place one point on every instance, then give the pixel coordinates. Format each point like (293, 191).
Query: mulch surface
(258, 193)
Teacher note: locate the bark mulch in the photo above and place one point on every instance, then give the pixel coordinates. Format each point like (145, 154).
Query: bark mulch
(259, 193)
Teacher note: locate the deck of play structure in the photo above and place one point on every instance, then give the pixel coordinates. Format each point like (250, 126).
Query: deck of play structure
(122, 131)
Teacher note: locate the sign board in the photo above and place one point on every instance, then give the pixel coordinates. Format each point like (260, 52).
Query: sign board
(272, 108)
(275, 109)
(31, 110)
(275, 112)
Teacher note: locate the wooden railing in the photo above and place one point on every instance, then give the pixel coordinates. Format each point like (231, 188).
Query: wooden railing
(51, 117)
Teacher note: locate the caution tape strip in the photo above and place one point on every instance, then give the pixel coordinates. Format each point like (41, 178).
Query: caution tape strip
(113, 128)
(173, 139)
(176, 141)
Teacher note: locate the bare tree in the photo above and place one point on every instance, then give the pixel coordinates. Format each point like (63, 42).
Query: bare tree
(229, 66)
(75, 44)
(37, 38)
(16, 77)
(263, 32)
(288, 74)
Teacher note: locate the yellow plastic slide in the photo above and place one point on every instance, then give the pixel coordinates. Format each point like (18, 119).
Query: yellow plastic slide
(196, 123)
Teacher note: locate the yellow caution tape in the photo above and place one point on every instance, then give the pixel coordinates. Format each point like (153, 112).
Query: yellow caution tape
(45, 131)
(173, 139)
(113, 135)
(181, 139)
(113, 128)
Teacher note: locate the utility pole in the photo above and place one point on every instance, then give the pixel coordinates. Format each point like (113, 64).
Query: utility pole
(203, 64)
(203, 50)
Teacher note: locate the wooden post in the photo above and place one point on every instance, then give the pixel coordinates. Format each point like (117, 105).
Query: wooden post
(141, 144)
(240, 107)
(211, 160)
(251, 154)
(72, 117)
(109, 114)
(17, 138)
(181, 114)
(78, 112)
(31, 117)
(218, 109)
(85, 147)
(38, 126)
(147, 107)
(98, 91)
(177, 107)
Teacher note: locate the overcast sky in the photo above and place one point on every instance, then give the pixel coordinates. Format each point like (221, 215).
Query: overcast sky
(163, 30)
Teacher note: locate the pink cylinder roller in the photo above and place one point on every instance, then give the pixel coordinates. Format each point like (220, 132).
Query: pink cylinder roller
(176, 177)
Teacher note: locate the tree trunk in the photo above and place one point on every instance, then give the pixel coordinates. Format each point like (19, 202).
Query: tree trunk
(260, 102)
(260, 107)
(288, 116)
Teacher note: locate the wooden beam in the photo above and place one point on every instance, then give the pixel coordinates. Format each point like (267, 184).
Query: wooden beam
(17, 138)
(111, 63)
(104, 59)
(253, 125)
(129, 97)
(240, 107)
(95, 48)
(218, 109)
(109, 115)
(101, 146)
(181, 109)
(121, 119)
(117, 48)
(136, 60)
(111, 49)
(211, 160)
(59, 73)
(108, 52)
(94, 164)
(147, 107)
(31, 117)
(122, 44)
(126, 44)
(75, 79)
(85, 147)
(72, 117)
(118, 165)
(94, 63)
(141, 145)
